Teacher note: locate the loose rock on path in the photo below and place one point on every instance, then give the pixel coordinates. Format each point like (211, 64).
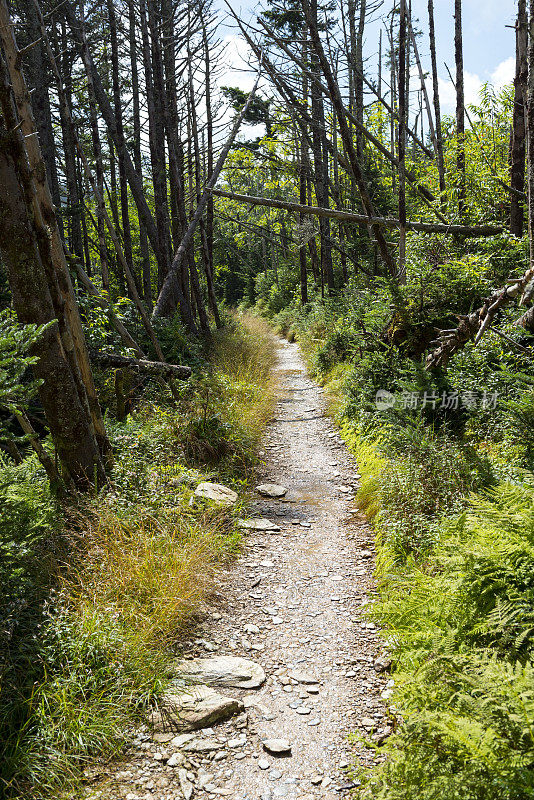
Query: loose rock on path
(294, 603)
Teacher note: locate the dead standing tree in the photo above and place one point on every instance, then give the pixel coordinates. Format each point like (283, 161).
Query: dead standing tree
(39, 280)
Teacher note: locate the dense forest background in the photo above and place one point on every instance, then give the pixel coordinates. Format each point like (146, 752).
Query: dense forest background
(155, 226)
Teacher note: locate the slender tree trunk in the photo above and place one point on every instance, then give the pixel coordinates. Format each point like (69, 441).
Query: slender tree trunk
(156, 101)
(402, 140)
(74, 224)
(518, 149)
(136, 150)
(208, 248)
(437, 107)
(302, 220)
(460, 105)
(393, 103)
(358, 55)
(320, 163)
(530, 131)
(117, 107)
(37, 79)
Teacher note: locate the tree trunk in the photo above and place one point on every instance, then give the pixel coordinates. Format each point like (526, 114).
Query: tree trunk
(437, 108)
(37, 79)
(517, 166)
(53, 255)
(27, 253)
(320, 164)
(121, 150)
(530, 132)
(402, 140)
(460, 105)
(136, 149)
(155, 101)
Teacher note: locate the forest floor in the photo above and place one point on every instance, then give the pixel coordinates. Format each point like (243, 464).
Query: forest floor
(294, 603)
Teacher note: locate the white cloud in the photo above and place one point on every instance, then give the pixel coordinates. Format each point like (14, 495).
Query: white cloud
(447, 92)
(503, 73)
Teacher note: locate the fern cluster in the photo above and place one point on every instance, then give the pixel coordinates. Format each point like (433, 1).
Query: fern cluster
(462, 632)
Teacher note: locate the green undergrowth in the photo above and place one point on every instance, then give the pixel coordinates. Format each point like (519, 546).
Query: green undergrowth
(450, 494)
(96, 599)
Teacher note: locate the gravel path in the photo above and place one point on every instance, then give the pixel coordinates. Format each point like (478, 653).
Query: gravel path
(293, 603)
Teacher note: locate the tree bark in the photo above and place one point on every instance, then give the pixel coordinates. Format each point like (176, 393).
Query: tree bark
(460, 105)
(122, 149)
(351, 217)
(518, 143)
(136, 150)
(24, 245)
(58, 273)
(437, 108)
(402, 140)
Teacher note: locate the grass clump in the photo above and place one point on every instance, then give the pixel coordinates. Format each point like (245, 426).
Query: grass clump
(97, 599)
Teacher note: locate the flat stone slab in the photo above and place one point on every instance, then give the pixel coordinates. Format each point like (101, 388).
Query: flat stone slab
(271, 489)
(303, 677)
(216, 492)
(260, 524)
(277, 746)
(194, 708)
(231, 671)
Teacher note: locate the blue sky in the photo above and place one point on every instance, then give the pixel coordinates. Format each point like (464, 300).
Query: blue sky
(489, 46)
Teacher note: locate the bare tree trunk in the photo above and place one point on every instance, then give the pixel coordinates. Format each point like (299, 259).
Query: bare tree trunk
(302, 219)
(530, 131)
(320, 163)
(393, 104)
(155, 100)
(74, 223)
(517, 166)
(358, 55)
(136, 149)
(337, 103)
(437, 108)
(402, 141)
(37, 78)
(209, 169)
(117, 107)
(202, 315)
(460, 105)
(28, 253)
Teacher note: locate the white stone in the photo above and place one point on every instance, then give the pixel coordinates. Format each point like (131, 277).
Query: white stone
(216, 492)
(277, 745)
(223, 671)
(261, 524)
(271, 489)
(197, 707)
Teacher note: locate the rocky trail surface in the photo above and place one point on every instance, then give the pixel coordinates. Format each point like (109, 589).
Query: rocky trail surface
(287, 663)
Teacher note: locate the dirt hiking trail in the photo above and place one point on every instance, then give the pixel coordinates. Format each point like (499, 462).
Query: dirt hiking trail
(293, 603)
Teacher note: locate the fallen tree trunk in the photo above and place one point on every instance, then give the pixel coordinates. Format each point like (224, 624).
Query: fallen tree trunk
(141, 365)
(350, 216)
(473, 326)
